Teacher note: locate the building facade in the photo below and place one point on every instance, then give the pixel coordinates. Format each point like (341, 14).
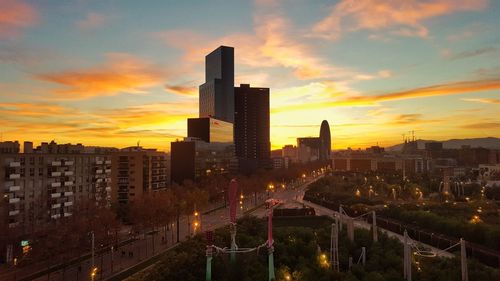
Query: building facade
(137, 171)
(216, 97)
(251, 128)
(210, 130)
(45, 184)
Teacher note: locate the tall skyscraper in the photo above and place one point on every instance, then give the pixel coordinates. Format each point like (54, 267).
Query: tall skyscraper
(325, 141)
(251, 128)
(217, 93)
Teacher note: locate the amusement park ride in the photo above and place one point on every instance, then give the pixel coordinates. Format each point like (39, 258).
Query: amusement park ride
(413, 250)
(234, 249)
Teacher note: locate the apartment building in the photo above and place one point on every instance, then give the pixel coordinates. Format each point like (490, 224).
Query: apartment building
(44, 184)
(136, 171)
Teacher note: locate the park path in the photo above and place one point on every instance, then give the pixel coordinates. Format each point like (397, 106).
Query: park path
(320, 210)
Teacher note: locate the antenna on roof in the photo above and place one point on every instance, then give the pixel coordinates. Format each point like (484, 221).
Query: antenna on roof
(138, 142)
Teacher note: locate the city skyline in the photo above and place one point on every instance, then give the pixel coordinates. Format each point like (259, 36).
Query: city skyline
(112, 75)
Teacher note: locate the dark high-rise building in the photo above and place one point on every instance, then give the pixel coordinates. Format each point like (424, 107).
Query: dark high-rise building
(325, 141)
(217, 93)
(182, 155)
(251, 128)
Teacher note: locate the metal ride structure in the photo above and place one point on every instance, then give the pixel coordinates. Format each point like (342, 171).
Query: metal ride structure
(344, 217)
(234, 249)
(411, 248)
(334, 236)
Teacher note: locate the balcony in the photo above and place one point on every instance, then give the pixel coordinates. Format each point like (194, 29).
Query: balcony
(108, 188)
(14, 188)
(56, 206)
(108, 162)
(56, 163)
(68, 183)
(68, 173)
(56, 174)
(99, 180)
(68, 193)
(56, 184)
(66, 204)
(67, 214)
(56, 216)
(13, 224)
(14, 200)
(99, 162)
(68, 163)
(14, 176)
(14, 164)
(55, 195)
(13, 213)
(108, 171)
(99, 171)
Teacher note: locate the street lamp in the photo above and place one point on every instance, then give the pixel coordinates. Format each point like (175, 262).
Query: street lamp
(93, 273)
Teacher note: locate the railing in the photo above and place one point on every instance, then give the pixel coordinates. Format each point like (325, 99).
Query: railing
(55, 195)
(14, 188)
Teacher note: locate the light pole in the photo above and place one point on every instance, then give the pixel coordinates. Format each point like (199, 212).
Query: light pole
(93, 270)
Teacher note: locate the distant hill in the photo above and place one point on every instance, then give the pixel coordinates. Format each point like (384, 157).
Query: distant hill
(490, 142)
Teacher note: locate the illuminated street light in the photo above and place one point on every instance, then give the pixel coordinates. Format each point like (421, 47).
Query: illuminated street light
(475, 219)
(93, 273)
(323, 261)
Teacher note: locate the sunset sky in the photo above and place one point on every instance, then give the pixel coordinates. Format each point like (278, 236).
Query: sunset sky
(114, 72)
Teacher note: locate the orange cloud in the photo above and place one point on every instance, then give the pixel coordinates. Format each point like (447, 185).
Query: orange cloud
(404, 17)
(484, 100)
(91, 21)
(272, 44)
(153, 124)
(121, 73)
(32, 109)
(409, 119)
(182, 90)
(345, 99)
(15, 15)
(482, 126)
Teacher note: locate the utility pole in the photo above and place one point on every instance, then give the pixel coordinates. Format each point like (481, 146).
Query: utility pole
(374, 227)
(93, 252)
(463, 260)
(407, 258)
(350, 229)
(93, 270)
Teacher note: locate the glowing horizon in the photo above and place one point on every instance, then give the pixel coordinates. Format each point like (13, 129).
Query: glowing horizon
(111, 75)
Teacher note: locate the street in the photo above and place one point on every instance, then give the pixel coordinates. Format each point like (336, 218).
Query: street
(114, 261)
